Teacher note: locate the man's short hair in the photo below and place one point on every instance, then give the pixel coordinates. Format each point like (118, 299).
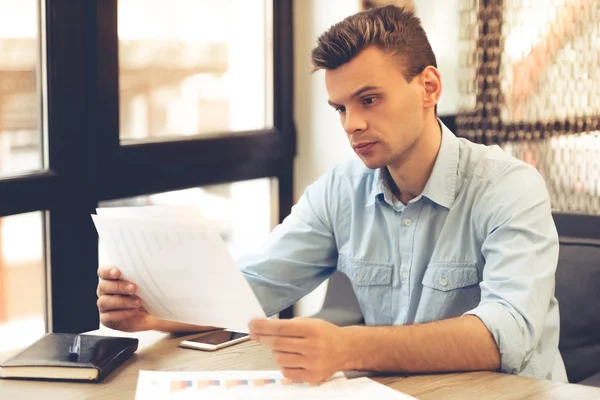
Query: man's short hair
(393, 29)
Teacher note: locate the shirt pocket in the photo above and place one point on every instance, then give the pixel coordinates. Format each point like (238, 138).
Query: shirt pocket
(448, 291)
(372, 284)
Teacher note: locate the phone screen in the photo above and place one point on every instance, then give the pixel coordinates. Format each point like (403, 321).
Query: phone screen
(218, 337)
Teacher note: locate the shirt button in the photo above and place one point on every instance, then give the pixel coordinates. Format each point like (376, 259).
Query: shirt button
(405, 275)
(357, 277)
(444, 282)
(407, 222)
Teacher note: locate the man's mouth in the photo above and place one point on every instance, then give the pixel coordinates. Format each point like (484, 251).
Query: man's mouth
(363, 147)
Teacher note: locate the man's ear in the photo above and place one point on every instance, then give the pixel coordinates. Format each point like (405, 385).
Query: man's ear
(432, 86)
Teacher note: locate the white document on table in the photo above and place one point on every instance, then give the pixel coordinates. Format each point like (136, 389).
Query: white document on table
(180, 264)
(264, 385)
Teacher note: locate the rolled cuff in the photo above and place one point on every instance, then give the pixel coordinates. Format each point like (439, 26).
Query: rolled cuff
(508, 333)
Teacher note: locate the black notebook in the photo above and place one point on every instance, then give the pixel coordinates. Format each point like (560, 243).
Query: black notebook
(54, 357)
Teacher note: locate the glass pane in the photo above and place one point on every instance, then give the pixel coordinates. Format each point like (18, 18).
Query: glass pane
(22, 280)
(243, 212)
(20, 93)
(194, 67)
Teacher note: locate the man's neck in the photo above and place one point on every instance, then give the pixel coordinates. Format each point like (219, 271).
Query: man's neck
(411, 173)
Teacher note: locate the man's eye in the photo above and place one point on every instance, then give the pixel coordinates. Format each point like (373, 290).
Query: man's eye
(369, 100)
(340, 109)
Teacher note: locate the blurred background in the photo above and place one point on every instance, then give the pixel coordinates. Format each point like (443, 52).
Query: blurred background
(212, 103)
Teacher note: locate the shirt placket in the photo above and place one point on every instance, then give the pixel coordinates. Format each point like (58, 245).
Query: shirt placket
(408, 225)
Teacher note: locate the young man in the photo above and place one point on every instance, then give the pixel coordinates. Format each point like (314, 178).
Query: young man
(450, 246)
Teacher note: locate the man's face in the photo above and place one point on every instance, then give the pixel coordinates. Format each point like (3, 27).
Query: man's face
(382, 114)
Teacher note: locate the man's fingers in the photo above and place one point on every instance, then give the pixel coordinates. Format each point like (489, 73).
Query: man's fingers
(109, 303)
(282, 343)
(114, 318)
(109, 273)
(115, 287)
(282, 327)
(302, 375)
(290, 360)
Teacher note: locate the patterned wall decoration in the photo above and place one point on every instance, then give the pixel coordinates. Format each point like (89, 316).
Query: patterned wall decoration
(530, 82)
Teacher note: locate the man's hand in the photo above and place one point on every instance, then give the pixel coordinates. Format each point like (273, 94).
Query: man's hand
(306, 349)
(119, 307)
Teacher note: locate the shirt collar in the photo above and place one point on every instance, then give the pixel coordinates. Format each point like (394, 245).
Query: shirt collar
(441, 186)
(380, 188)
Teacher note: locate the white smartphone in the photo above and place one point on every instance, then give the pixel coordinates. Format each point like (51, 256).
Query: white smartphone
(215, 340)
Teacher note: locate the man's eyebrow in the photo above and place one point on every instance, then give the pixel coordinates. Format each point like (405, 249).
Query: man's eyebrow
(364, 89)
(356, 94)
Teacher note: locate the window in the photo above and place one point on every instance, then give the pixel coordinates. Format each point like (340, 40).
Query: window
(77, 137)
(22, 262)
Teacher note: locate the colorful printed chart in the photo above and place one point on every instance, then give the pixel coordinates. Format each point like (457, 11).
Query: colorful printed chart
(250, 385)
(179, 385)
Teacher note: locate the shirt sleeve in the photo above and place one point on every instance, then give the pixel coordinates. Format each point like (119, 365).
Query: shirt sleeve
(520, 248)
(299, 254)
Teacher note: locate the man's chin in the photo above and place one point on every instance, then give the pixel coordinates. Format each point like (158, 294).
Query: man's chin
(372, 163)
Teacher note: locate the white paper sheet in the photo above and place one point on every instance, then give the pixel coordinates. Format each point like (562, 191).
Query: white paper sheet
(264, 385)
(187, 213)
(180, 264)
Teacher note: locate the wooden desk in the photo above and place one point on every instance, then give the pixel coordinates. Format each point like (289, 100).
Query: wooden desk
(160, 351)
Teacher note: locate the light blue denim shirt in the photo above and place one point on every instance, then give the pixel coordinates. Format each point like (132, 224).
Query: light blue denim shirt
(479, 240)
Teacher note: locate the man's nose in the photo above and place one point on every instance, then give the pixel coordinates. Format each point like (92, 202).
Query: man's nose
(354, 122)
